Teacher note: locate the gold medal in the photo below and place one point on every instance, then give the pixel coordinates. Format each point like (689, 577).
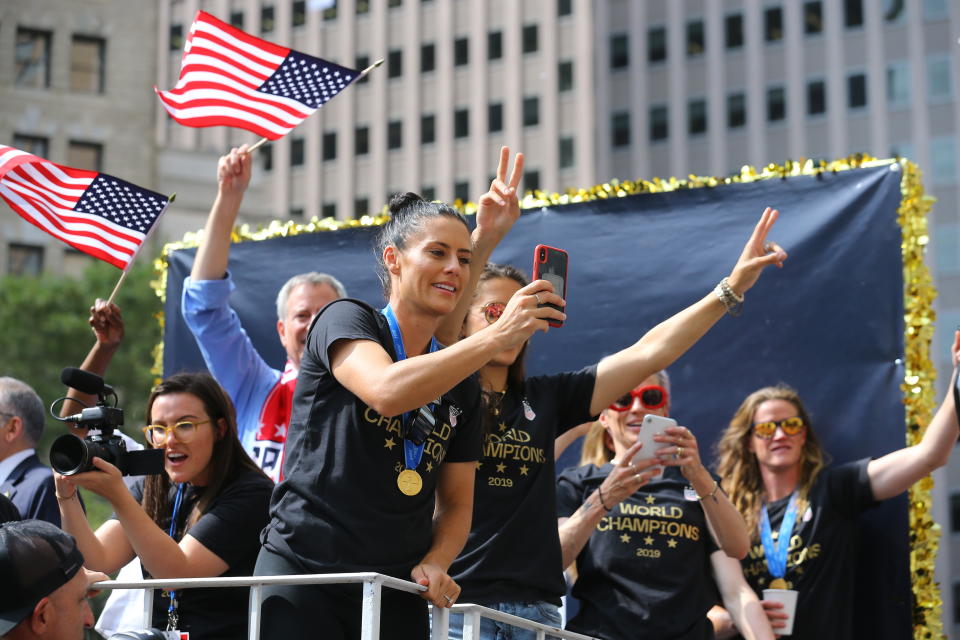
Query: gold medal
(778, 583)
(409, 482)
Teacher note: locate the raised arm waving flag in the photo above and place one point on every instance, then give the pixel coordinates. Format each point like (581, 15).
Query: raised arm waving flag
(233, 79)
(96, 213)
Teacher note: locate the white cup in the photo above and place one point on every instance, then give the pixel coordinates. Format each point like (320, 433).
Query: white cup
(788, 597)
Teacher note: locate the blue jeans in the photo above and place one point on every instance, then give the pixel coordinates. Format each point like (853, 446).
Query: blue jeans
(542, 612)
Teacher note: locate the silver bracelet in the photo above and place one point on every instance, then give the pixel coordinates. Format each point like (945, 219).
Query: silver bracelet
(728, 297)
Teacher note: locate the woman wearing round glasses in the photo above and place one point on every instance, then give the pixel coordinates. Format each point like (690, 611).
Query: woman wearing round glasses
(201, 517)
(644, 547)
(512, 558)
(777, 476)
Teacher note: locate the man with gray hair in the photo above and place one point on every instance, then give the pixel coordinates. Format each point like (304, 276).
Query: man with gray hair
(263, 395)
(23, 478)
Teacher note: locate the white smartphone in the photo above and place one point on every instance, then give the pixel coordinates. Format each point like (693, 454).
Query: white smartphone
(651, 426)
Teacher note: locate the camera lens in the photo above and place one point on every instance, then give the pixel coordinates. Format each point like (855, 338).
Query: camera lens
(543, 255)
(68, 455)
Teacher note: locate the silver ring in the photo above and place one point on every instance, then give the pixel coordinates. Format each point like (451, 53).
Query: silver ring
(768, 247)
(449, 599)
(537, 296)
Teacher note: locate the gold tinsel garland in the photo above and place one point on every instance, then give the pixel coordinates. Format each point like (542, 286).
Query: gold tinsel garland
(919, 293)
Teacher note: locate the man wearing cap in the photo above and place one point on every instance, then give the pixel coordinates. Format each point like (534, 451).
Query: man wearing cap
(23, 478)
(44, 586)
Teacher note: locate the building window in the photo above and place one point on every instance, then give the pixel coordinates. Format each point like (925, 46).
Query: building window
(773, 24)
(395, 3)
(494, 45)
(461, 191)
(894, 10)
(428, 193)
(363, 7)
(898, 84)
(461, 123)
(428, 129)
(87, 63)
(363, 61)
(852, 13)
(330, 13)
(620, 129)
(812, 17)
(531, 111)
(530, 40)
(329, 145)
(461, 52)
(236, 19)
(736, 110)
(697, 117)
(955, 513)
(428, 57)
(816, 97)
(495, 117)
(266, 19)
(776, 104)
(956, 602)
(361, 141)
(395, 134)
(296, 213)
(328, 210)
(531, 180)
(266, 152)
(934, 10)
(659, 123)
(36, 145)
(943, 160)
(85, 155)
(361, 206)
(564, 7)
(296, 152)
(565, 75)
(299, 13)
(566, 152)
(656, 44)
(939, 81)
(619, 51)
(856, 91)
(733, 31)
(32, 59)
(24, 259)
(176, 37)
(696, 43)
(395, 63)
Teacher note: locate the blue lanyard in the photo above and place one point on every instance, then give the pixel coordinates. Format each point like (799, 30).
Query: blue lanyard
(776, 552)
(412, 453)
(173, 532)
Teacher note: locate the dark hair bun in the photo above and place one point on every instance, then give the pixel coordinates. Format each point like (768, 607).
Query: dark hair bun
(399, 202)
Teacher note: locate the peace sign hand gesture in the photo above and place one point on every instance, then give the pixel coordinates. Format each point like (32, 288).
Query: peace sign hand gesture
(499, 207)
(757, 254)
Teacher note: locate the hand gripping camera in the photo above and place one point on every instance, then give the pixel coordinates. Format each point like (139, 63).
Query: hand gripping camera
(70, 455)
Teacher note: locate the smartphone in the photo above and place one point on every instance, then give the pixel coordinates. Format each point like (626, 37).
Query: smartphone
(651, 426)
(550, 264)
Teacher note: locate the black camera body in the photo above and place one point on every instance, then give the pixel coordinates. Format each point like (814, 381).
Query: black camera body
(70, 455)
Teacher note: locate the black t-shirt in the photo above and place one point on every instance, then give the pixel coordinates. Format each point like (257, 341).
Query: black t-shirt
(823, 552)
(338, 508)
(513, 552)
(231, 529)
(645, 571)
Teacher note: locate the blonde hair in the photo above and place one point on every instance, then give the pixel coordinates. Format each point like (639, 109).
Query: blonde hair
(738, 465)
(596, 450)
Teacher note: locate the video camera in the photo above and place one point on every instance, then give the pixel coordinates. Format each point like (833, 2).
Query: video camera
(70, 455)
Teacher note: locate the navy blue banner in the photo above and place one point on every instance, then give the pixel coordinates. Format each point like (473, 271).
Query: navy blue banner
(830, 323)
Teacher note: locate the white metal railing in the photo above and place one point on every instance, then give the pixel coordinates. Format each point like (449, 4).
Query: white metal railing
(373, 584)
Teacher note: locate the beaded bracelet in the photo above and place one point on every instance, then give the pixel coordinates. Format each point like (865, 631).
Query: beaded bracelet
(732, 301)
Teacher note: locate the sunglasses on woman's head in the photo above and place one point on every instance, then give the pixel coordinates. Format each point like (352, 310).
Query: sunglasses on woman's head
(791, 427)
(492, 311)
(651, 397)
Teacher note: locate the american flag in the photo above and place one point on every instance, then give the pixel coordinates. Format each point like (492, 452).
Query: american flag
(233, 79)
(96, 213)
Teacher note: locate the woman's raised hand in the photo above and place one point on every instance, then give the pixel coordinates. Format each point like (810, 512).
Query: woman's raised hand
(234, 170)
(499, 207)
(758, 254)
(107, 323)
(523, 315)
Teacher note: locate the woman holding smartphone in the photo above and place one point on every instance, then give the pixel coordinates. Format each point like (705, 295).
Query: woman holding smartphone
(512, 558)
(645, 543)
(201, 517)
(385, 434)
(777, 475)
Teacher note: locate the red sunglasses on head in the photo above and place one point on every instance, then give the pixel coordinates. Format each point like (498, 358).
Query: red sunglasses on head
(651, 397)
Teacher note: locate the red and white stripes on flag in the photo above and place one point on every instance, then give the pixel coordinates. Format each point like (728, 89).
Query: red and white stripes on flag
(96, 213)
(230, 78)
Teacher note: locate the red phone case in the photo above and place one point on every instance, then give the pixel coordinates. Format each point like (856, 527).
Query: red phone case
(549, 263)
